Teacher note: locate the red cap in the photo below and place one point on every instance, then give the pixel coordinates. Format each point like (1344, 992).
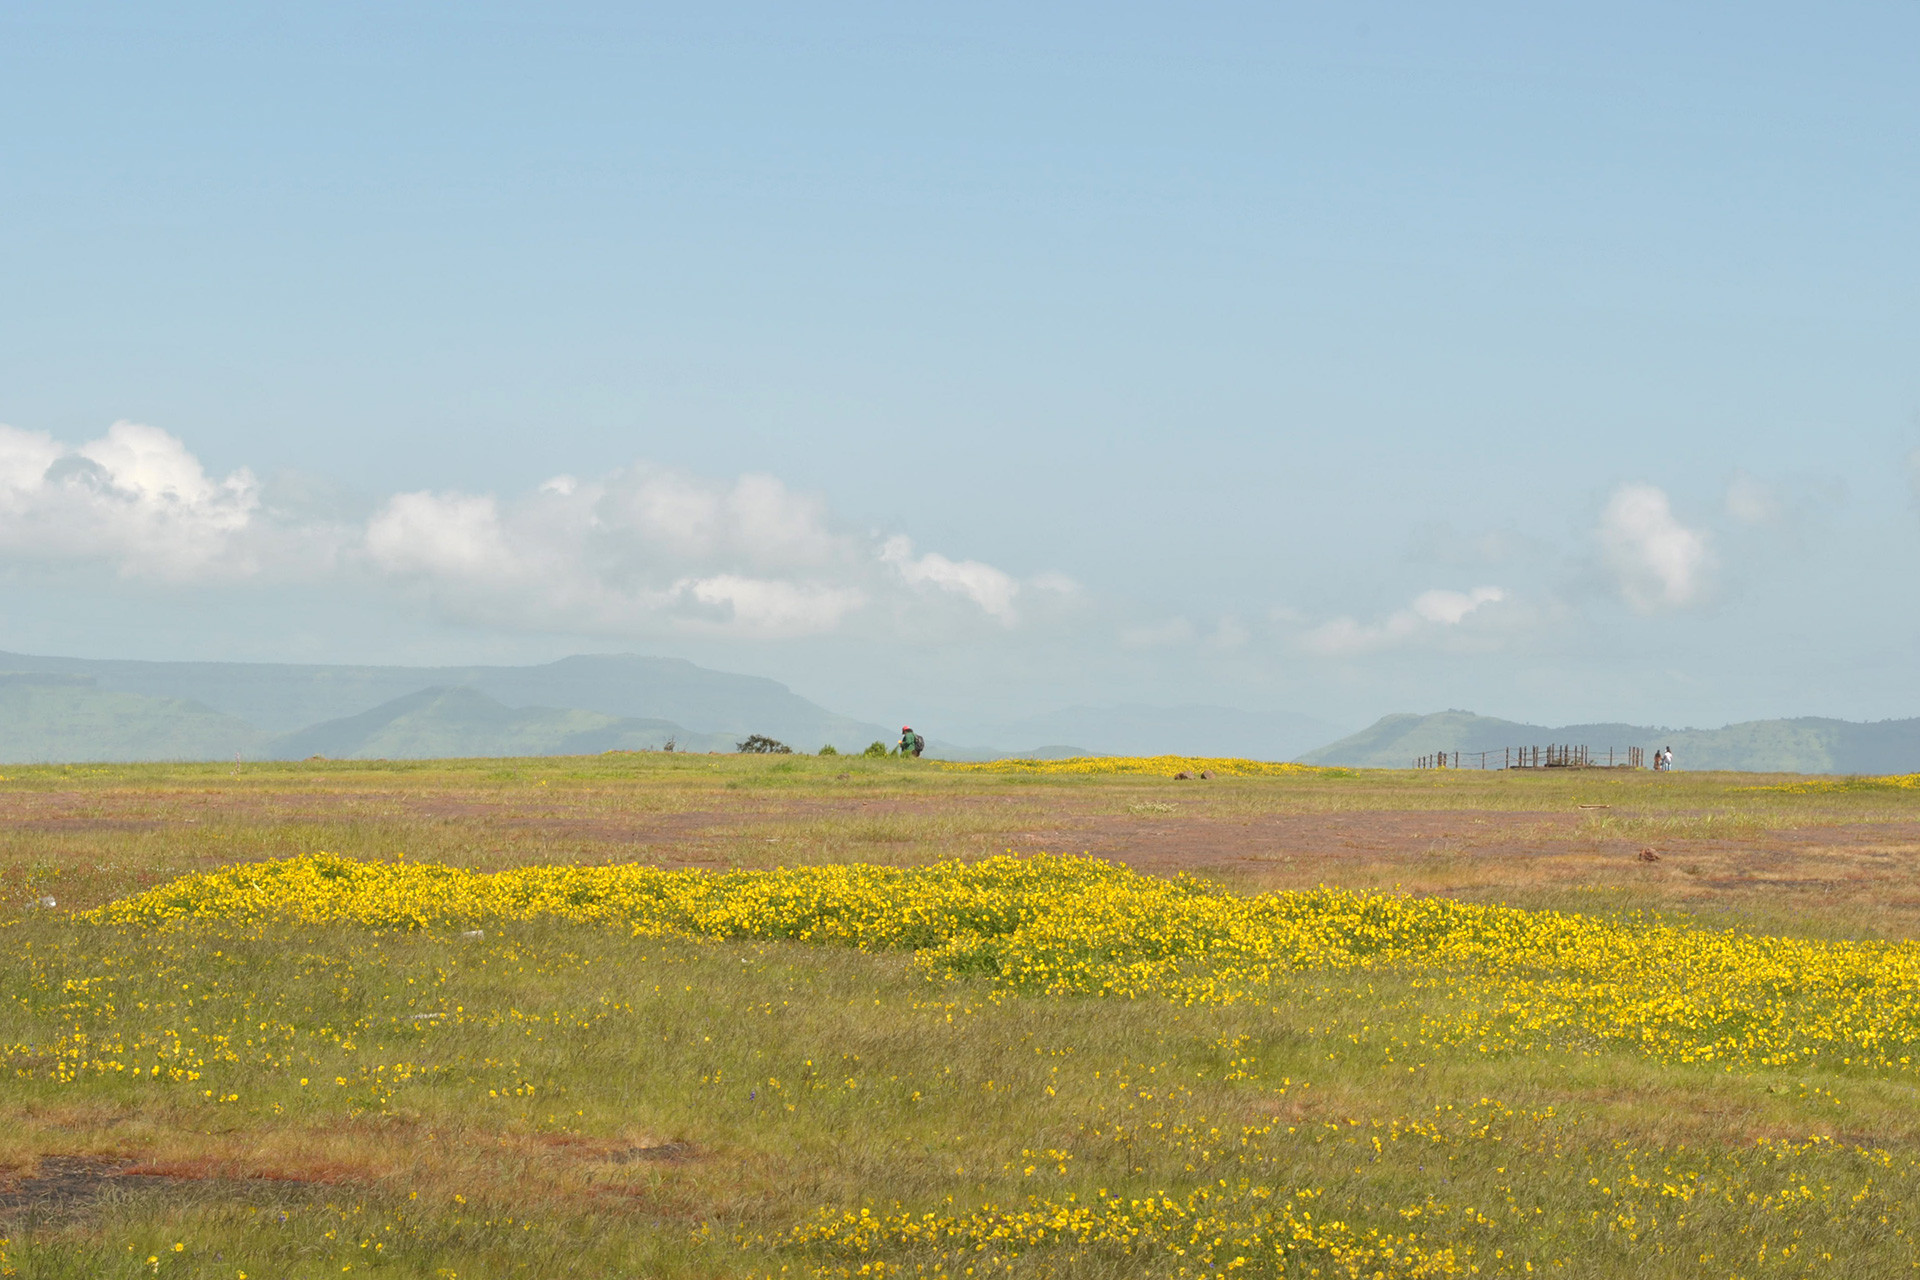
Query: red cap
(906, 728)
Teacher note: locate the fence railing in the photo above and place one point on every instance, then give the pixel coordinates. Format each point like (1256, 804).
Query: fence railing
(1555, 756)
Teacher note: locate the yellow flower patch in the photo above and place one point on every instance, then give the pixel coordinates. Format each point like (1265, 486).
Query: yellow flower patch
(1150, 766)
(1821, 786)
(1495, 979)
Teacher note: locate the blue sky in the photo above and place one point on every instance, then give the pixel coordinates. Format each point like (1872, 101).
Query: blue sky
(1555, 363)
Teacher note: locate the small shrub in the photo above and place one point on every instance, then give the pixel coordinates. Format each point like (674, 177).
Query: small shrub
(828, 750)
(760, 744)
(875, 749)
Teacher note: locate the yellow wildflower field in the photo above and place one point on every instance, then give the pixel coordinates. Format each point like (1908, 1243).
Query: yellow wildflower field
(1513, 980)
(1022, 1065)
(1443, 981)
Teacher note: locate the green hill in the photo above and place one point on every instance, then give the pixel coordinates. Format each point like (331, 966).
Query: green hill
(1805, 745)
(71, 718)
(281, 698)
(434, 723)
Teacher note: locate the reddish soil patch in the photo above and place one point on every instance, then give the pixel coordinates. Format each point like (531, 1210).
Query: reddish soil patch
(1203, 844)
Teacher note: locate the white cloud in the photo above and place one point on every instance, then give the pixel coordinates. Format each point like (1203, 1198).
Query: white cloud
(135, 497)
(641, 551)
(983, 584)
(1450, 608)
(24, 459)
(456, 536)
(1657, 562)
(1430, 615)
(765, 607)
(648, 549)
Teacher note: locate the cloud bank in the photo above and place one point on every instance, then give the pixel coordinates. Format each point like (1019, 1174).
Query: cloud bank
(642, 551)
(648, 551)
(135, 498)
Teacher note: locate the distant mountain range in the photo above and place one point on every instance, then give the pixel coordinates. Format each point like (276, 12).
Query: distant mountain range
(69, 709)
(74, 709)
(278, 698)
(64, 709)
(444, 723)
(1806, 745)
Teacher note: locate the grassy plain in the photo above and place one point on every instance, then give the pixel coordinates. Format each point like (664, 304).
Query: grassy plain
(554, 1098)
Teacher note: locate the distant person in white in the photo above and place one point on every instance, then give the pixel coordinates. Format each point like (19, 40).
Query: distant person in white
(1666, 760)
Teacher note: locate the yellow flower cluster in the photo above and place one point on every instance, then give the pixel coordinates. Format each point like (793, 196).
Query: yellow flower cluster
(1498, 979)
(1619, 1201)
(1150, 766)
(1209, 1230)
(1820, 786)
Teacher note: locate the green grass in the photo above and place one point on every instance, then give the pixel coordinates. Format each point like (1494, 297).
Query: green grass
(588, 1103)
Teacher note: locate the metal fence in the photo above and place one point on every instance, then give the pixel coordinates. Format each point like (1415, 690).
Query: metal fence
(1556, 756)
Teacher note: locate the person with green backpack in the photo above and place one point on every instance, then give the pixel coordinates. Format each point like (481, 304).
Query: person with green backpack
(911, 743)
